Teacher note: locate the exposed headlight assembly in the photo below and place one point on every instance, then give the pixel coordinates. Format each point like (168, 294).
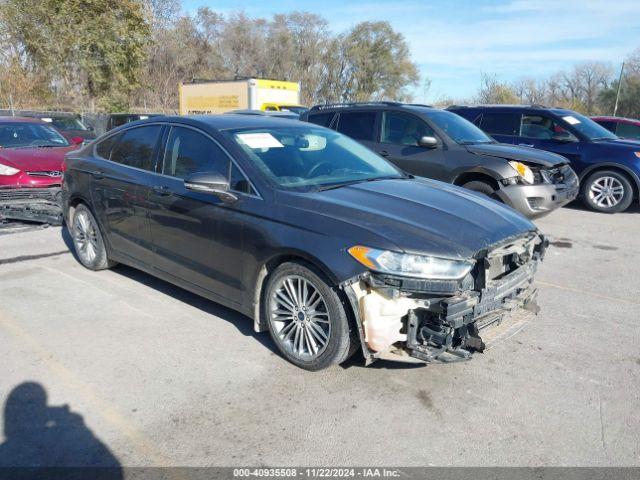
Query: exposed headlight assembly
(409, 265)
(524, 172)
(7, 170)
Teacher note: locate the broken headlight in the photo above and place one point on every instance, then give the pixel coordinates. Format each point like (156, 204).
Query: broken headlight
(524, 173)
(409, 265)
(7, 170)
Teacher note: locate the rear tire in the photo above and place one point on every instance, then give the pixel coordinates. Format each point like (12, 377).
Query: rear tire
(481, 187)
(306, 317)
(607, 191)
(87, 240)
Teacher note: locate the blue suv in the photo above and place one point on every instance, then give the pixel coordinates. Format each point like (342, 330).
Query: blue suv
(608, 167)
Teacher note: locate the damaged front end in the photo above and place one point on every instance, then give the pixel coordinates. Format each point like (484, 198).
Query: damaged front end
(410, 319)
(40, 205)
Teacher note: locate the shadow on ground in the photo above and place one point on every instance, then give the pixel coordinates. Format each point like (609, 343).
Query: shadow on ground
(38, 435)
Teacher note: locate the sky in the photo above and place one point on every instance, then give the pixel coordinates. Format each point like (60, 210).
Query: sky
(453, 42)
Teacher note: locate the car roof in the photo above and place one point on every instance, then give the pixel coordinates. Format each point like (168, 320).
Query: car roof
(511, 108)
(224, 121)
(22, 120)
(337, 107)
(616, 119)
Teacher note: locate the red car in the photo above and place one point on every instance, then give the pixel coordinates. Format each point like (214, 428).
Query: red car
(31, 157)
(622, 127)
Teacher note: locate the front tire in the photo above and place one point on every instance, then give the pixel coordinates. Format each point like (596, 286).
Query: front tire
(307, 320)
(87, 240)
(607, 191)
(481, 187)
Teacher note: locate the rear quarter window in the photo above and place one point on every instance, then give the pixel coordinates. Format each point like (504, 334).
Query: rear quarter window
(322, 119)
(357, 125)
(500, 123)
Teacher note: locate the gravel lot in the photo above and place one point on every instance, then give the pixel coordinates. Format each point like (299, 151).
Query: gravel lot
(163, 377)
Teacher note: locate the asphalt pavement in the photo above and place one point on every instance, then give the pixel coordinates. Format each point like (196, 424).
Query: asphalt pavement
(137, 372)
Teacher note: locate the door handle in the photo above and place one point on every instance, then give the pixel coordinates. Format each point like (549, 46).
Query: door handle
(526, 145)
(99, 175)
(163, 190)
(384, 153)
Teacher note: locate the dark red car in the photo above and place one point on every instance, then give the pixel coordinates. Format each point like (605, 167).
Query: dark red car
(622, 127)
(31, 163)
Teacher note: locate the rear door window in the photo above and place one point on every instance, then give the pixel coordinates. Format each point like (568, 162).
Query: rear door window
(322, 119)
(189, 151)
(500, 123)
(358, 125)
(136, 147)
(403, 129)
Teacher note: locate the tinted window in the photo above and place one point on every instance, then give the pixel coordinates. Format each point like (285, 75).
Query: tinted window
(136, 146)
(500, 123)
(541, 127)
(323, 119)
(611, 126)
(238, 181)
(103, 149)
(358, 125)
(403, 129)
(628, 130)
(189, 152)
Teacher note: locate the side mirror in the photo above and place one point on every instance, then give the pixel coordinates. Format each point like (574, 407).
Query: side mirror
(212, 183)
(428, 142)
(77, 140)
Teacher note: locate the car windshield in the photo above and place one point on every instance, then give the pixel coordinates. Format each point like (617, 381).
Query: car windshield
(586, 126)
(311, 158)
(459, 130)
(19, 135)
(66, 123)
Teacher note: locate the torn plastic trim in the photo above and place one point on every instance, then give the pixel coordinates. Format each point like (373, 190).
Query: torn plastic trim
(400, 324)
(40, 205)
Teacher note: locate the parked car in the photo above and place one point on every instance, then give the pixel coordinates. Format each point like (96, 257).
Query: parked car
(283, 107)
(622, 127)
(437, 144)
(69, 125)
(31, 157)
(118, 119)
(322, 242)
(608, 167)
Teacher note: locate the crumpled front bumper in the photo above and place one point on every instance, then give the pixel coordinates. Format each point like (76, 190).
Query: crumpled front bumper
(535, 201)
(41, 205)
(425, 327)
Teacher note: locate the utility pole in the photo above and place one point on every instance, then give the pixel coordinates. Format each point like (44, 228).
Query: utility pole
(615, 108)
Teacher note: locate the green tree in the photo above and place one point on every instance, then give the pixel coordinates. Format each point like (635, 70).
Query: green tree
(90, 50)
(378, 63)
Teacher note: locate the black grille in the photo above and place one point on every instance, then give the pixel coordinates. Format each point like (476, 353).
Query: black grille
(47, 173)
(29, 193)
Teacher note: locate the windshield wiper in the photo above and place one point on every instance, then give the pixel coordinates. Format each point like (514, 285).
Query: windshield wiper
(332, 186)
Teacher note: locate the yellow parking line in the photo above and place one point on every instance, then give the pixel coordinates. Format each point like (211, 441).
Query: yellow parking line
(585, 292)
(71, 381)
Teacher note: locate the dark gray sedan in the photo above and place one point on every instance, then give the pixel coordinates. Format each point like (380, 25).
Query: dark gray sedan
(320, 241)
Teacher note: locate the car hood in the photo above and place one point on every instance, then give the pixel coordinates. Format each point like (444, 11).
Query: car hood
(35, 159)
(623, 143)
(419, 215)
(516, 152)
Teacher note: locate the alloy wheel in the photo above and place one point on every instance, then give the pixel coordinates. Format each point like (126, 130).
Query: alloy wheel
(606, 192)
(86, 237)
(300, 318)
